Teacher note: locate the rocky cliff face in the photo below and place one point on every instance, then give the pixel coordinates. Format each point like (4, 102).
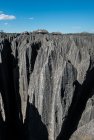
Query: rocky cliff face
(46, 86)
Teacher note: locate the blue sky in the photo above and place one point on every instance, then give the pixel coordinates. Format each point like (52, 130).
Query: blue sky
(54, 15)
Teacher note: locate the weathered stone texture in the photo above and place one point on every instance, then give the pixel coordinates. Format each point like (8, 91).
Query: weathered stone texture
(54, 78)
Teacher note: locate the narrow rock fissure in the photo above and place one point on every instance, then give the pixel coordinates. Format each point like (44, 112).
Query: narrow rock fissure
(81, 95)
(35, 48)
(30, 63)
(12, 126)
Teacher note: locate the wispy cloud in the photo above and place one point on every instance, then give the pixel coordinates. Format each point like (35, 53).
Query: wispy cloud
(6, 23)
(7, 17)
(76, 27)
(31, 18)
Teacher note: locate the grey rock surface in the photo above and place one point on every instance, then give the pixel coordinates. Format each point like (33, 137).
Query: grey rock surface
(47, 86)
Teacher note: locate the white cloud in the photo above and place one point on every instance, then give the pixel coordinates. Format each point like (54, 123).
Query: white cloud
(31, 18)
(7, 17)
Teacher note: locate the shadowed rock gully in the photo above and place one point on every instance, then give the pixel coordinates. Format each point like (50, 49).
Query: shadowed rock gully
(81, 95)
(13, 128)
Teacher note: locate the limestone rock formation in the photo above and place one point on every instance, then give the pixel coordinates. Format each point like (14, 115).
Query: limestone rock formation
(46, 86)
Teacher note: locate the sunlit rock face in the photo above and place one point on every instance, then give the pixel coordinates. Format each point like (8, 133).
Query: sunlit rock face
(46, 86)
